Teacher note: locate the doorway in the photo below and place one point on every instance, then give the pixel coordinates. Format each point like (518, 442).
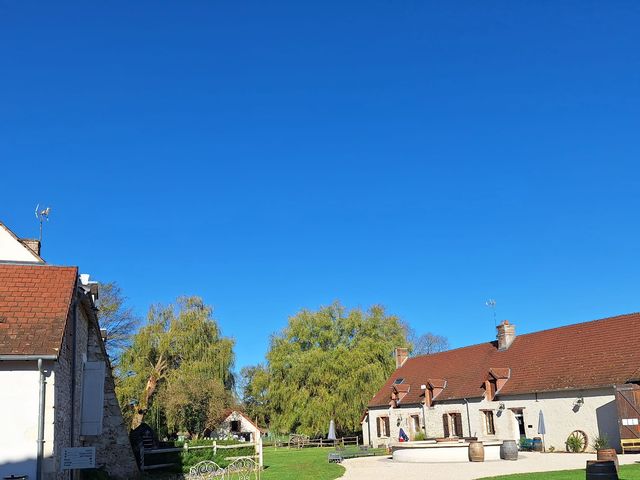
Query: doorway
(519, 416)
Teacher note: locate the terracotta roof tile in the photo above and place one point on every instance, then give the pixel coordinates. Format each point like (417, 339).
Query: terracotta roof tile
(585, 355)
(34, 305)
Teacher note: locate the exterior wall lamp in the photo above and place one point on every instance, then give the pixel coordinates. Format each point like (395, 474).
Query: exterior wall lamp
(502, 406)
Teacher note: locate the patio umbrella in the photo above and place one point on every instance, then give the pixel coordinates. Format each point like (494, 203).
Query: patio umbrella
(332, 430)
(541, 428)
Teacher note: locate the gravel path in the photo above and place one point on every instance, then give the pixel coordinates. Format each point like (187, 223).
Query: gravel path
(382, 468)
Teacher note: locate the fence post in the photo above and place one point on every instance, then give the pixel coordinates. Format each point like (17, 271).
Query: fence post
(215, 448)
(186, 446)
(357, 441)
(260, 463)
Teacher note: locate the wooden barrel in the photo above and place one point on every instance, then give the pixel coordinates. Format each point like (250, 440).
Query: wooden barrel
(608, 454)
(537, 444)
(476, 452)
(601, 470)
(509, 450)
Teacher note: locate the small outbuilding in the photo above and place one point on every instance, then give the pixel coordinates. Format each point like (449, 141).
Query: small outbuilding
(237, 425)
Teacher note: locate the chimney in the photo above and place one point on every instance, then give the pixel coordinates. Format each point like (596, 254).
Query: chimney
(506, 335)
(32, 244)
(401, 356)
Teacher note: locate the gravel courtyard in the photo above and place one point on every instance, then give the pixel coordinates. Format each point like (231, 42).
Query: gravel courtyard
(382, 468)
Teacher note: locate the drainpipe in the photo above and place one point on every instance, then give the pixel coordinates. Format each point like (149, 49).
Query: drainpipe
(369, 427)
(424, 419)
(468, 418)
(40, 454)
(74, 324)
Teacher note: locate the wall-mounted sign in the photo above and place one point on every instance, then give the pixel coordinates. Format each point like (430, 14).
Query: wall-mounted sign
(78, 457)
(629, 421)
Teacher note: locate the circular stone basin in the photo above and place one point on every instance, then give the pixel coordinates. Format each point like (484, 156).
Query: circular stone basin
(442, 452)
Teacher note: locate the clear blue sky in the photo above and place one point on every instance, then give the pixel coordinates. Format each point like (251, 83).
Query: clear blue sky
(271, 156)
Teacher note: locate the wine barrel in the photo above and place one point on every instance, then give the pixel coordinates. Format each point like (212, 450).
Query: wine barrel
(608, 454)
(537, 444)
(509, 450)
(476, 452)
(601, 470)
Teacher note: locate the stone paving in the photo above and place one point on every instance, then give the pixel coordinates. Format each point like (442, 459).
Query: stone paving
(383, 468)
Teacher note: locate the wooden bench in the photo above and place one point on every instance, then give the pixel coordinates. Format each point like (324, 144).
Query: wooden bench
(630, 444)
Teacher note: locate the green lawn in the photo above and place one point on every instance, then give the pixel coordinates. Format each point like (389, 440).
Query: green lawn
(627, 472)
(303, 464)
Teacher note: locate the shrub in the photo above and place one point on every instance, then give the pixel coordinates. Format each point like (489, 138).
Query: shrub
(601, 442)
(419, 436)
(575, 444)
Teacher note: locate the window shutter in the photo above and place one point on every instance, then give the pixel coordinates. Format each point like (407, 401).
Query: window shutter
(387, 428)
(458, 424)
(378, 427)
(445, 424)
(92, 398)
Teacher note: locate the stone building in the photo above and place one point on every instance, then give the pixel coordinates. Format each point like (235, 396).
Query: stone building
(496, 390)
(237, 424)
(57, 388)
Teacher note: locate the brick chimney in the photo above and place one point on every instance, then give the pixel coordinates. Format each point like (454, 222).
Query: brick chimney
(506, 335)
(401, 356)
(31, 244)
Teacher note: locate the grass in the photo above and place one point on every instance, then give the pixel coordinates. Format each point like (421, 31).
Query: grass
(303, 464)
(627, 472)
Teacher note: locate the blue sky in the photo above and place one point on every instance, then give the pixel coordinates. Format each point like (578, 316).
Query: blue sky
(271, 156)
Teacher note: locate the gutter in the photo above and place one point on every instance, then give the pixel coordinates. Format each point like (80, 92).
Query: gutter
(41, 403)
(26, 358)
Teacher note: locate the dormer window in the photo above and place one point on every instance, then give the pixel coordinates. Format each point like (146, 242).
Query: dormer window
(495, 380)
(435, 386)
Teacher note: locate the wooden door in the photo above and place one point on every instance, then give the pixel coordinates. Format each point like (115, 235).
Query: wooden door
(628, 402)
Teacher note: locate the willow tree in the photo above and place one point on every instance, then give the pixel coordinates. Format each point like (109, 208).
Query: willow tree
(327, 364)
(181, 344)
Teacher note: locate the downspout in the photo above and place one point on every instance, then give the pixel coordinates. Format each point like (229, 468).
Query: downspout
(41, 403)
(468, 418)
(369, 427)
(74, 325)
(424, 419)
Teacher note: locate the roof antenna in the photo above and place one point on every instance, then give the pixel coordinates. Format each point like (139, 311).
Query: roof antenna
(42, 215)
(491, 303)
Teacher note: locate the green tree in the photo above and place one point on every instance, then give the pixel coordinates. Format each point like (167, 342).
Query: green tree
(255, 390)
(328, 364)
(181, 345)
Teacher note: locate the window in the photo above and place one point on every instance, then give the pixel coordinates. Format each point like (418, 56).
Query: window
(489, 426)
(452, 424)
(398, 381)
(456, 421)
(235, 426)
(383, 427)
(415, 423)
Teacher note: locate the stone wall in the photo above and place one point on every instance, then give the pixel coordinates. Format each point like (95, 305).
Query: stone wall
(113, 449)
(112, 446)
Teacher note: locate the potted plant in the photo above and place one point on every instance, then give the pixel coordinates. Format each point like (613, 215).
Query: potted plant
(601, 446)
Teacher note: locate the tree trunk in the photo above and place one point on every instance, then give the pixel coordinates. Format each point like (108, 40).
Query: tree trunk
(149, 391)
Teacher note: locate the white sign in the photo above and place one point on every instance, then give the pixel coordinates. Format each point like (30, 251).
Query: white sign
(629, 421)
(78, 457)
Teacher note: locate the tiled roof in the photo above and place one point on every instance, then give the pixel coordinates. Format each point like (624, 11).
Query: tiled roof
(586, 355)
(34, 305)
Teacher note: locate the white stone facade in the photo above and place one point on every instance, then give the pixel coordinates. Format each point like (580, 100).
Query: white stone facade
(237, 424)
(596, 415)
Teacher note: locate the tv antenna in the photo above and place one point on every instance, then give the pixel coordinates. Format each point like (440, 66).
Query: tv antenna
(42, 215)
(491, 303)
